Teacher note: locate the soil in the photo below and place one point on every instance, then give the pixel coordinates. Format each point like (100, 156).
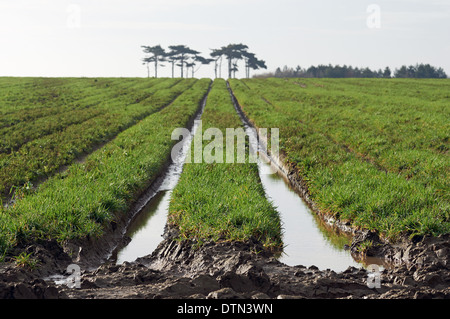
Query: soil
(234, 270)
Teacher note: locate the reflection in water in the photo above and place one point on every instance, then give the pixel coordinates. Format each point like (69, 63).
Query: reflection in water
(146, 229)
(307, 241)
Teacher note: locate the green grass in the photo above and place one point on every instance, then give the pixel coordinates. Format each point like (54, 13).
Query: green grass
(223, 201)
(36, 149)
(374, 152)
(82, 200)
(25, 260)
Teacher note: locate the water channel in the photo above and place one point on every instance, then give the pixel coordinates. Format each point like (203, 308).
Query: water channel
(308, 241)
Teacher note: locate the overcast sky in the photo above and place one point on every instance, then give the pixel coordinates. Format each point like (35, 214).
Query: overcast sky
(103, 37)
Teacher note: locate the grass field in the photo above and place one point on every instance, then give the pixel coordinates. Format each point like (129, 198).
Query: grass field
(76, 152)
(36, 144)
(80, 201)
(374, 152)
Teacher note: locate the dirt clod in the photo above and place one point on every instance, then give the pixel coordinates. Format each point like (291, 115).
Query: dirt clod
(225, 270)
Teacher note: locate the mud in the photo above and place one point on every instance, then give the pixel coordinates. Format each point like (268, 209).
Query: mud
(234, 270)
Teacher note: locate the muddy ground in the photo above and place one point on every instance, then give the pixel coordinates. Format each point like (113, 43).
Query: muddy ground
(227, 270)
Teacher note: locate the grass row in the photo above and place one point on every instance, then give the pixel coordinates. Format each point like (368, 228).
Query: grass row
(24, 125)
(82, 200)
(26, 99)
(43, 156)
(325, 134)
(222, 201)
(399, 134)
(27, 93)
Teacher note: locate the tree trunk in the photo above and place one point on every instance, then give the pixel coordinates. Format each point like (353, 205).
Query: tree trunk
(246, 67)
(182, 66)
(215, 68)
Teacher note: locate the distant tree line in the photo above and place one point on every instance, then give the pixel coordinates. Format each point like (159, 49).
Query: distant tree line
(420, 71)
(330, 71)
(188, 59)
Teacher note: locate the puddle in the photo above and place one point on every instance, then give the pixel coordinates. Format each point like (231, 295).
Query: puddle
(146, 229)
(148, 226)
(306, 239)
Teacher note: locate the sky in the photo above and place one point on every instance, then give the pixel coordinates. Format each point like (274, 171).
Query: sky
(103, 38)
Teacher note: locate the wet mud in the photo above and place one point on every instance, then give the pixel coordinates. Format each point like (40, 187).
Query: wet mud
(233, 270)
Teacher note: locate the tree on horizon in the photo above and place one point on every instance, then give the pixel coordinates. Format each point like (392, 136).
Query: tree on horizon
(251, 62)
(158, 55)
(183, 56)
(233, 53)
(217, 55)
(182, 53)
